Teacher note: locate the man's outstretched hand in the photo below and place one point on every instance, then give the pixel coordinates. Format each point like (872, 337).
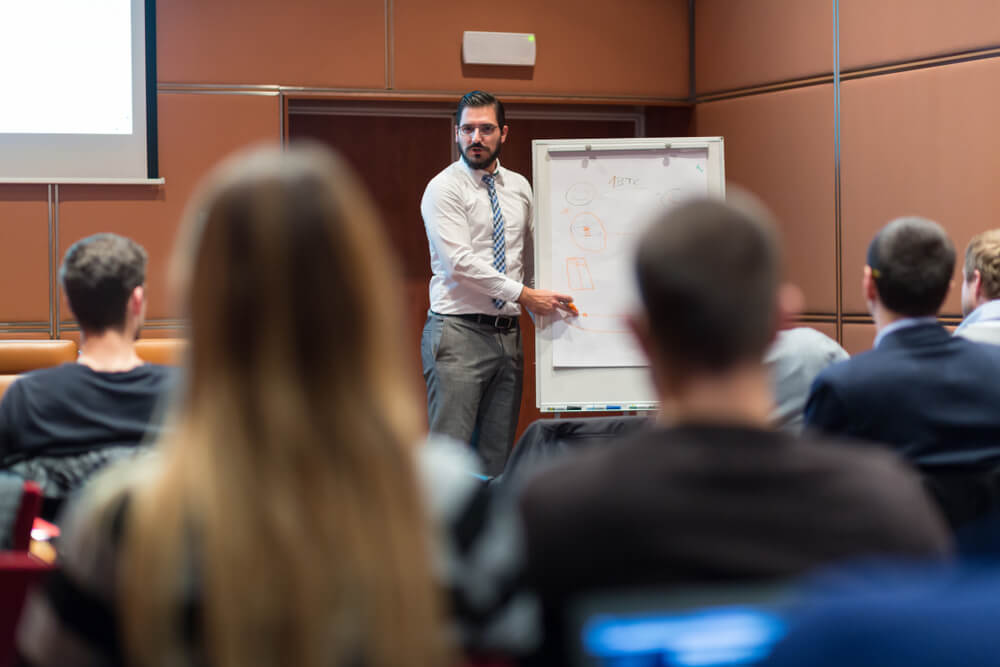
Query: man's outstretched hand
(545, 302)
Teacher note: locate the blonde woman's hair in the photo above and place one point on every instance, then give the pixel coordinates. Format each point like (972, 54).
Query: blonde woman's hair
(287, 497)
(983, 255)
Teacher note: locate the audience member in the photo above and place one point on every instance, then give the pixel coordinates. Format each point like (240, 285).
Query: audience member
(59, 425)
(712, 492)
(281, 519)
(981, 289)
(794, 360)
(931, 396)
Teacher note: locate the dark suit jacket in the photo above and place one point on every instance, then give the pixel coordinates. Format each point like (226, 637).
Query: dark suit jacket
(933, 397)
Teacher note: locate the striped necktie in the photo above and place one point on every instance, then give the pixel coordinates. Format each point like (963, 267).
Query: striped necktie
(499, 243)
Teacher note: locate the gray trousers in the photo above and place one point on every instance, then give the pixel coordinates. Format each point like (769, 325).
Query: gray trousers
(473, 373)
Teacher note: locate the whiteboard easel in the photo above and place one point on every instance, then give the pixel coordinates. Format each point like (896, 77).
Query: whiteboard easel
(591, 197)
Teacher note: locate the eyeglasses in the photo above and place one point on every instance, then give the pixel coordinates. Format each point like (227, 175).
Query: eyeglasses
(484, 130)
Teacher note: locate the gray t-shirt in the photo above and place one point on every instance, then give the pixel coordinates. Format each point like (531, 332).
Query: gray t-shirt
(794, 360)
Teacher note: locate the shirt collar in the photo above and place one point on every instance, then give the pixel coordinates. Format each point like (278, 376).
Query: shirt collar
(904, 323)
(988, 311)
(477, 174)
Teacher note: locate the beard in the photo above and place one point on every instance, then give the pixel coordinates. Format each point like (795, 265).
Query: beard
(482, 162)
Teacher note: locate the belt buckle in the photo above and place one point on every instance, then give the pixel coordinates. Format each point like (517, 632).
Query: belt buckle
(507, 322)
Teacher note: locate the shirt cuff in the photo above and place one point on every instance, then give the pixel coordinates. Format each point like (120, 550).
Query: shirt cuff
(510, 290)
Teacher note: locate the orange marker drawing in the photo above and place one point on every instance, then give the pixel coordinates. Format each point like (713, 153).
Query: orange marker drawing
(578, 274)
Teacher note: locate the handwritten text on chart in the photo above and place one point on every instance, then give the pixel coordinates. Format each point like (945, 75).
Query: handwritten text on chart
(623, 182)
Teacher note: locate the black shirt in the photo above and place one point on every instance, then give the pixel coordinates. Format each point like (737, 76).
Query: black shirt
(71, 408)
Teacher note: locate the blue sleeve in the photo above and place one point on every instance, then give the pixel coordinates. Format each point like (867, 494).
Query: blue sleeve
(825, 410)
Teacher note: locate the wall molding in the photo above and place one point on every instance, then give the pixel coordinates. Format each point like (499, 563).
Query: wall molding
(838, 75)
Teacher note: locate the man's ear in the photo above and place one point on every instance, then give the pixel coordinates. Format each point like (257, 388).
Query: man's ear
(789, 305)
(503, 134)
(977, 285)
(638, 324)
(868, 288)
(137, 300)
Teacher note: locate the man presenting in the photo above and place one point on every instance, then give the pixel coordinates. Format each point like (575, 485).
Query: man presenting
(480, 232)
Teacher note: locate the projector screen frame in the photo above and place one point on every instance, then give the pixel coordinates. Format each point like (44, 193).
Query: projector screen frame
(152, 133)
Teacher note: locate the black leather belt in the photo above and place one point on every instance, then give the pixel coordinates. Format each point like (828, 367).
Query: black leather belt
(505, 322)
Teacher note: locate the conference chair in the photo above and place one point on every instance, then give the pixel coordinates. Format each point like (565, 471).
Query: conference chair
(19, 573)
(20, 502)
(166, 351)
(546, 440)
(21, 356)
(965, 494)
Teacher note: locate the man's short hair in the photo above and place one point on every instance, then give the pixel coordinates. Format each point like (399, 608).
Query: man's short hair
(478, 98)
(708, 275)
(912, 260)
(983, 255)
(98, 275)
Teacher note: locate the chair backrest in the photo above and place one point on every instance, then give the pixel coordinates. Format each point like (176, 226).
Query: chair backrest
(20, 356)
(19, 573)
(20, 502)
(166, 351)
(547, 439)
(31, 504)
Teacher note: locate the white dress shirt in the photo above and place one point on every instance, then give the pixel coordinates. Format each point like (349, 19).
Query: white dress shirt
(459, 222)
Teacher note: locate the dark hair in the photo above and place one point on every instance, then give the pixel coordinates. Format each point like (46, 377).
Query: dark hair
(99, 274)
(478, 98)
(708, 275)
(912, 260)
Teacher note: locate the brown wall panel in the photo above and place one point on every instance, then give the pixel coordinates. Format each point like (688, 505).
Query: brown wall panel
(395, 157)
(328, 43)
(780, 146)
(24, 263)
(858, 337)
(196, 131)
(634, 48)
(918, 143)
(743, 44)
(876, 33)
(826, 328)
(23, 335)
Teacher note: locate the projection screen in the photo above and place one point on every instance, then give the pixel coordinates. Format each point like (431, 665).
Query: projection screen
(73, 77)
